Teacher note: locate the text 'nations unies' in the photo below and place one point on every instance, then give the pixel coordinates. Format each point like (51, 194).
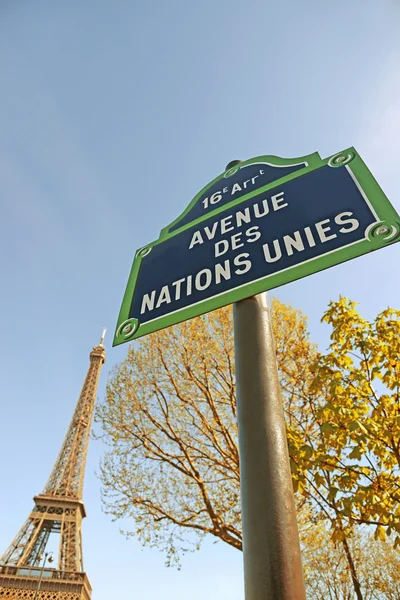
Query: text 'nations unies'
(272, 252)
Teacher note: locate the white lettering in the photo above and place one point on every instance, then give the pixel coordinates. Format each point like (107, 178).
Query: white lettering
(240, 261)
(243, 217)
(177, 285)
(236, 188)
(245, 183)
(253, 179)
(277, 200)
(309, 236)
(224, 224)
(253, 234)
(148, 302)
(216, 197)
(211, 233)
(295, 242)
(224, 271)
(164, 296)
(340, 220)
(235, 239)
(196, 239)
(225, 247)
(257, 212)
(189, 285)
(267, 254)
(321, 229)
(197, 282)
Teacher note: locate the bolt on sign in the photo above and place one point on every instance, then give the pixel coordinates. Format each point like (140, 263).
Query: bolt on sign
(263, 223)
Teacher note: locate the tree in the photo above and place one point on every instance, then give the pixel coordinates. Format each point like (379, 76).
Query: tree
(345, 453)
(327, 572)
(170, 420)
(353, 466)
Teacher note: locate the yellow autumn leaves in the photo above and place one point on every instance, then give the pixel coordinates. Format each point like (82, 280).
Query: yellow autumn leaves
(355, 398)
(169, 419)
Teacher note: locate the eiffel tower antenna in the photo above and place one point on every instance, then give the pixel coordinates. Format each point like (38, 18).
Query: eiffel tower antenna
(59, 508)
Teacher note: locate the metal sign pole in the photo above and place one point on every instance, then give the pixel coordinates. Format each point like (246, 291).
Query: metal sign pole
(271, 550)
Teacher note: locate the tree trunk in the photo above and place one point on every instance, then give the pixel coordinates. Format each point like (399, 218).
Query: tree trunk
(353, 572)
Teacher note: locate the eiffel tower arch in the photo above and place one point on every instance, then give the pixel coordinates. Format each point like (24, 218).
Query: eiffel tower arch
(24, 573)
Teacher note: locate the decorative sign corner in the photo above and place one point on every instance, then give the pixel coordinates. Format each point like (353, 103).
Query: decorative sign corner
(240, 181)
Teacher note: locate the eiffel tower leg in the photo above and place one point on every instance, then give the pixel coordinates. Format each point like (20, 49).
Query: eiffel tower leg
(71, 547)
(22, 542)
(29, 555)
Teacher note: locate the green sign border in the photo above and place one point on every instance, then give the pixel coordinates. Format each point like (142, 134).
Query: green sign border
(386, 231)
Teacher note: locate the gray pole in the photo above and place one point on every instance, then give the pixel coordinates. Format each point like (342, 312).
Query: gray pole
(271, 551)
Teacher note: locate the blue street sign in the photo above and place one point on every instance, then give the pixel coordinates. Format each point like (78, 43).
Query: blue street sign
(300, 220)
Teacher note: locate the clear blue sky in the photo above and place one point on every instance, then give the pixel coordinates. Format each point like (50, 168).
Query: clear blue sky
(113, 116)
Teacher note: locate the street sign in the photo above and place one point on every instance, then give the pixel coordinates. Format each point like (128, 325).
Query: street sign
(261, 224)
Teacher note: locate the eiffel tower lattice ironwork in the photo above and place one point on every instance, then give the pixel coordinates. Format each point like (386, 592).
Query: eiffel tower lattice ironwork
(59, 508)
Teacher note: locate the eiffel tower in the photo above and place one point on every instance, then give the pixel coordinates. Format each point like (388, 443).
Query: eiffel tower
(59, 508)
